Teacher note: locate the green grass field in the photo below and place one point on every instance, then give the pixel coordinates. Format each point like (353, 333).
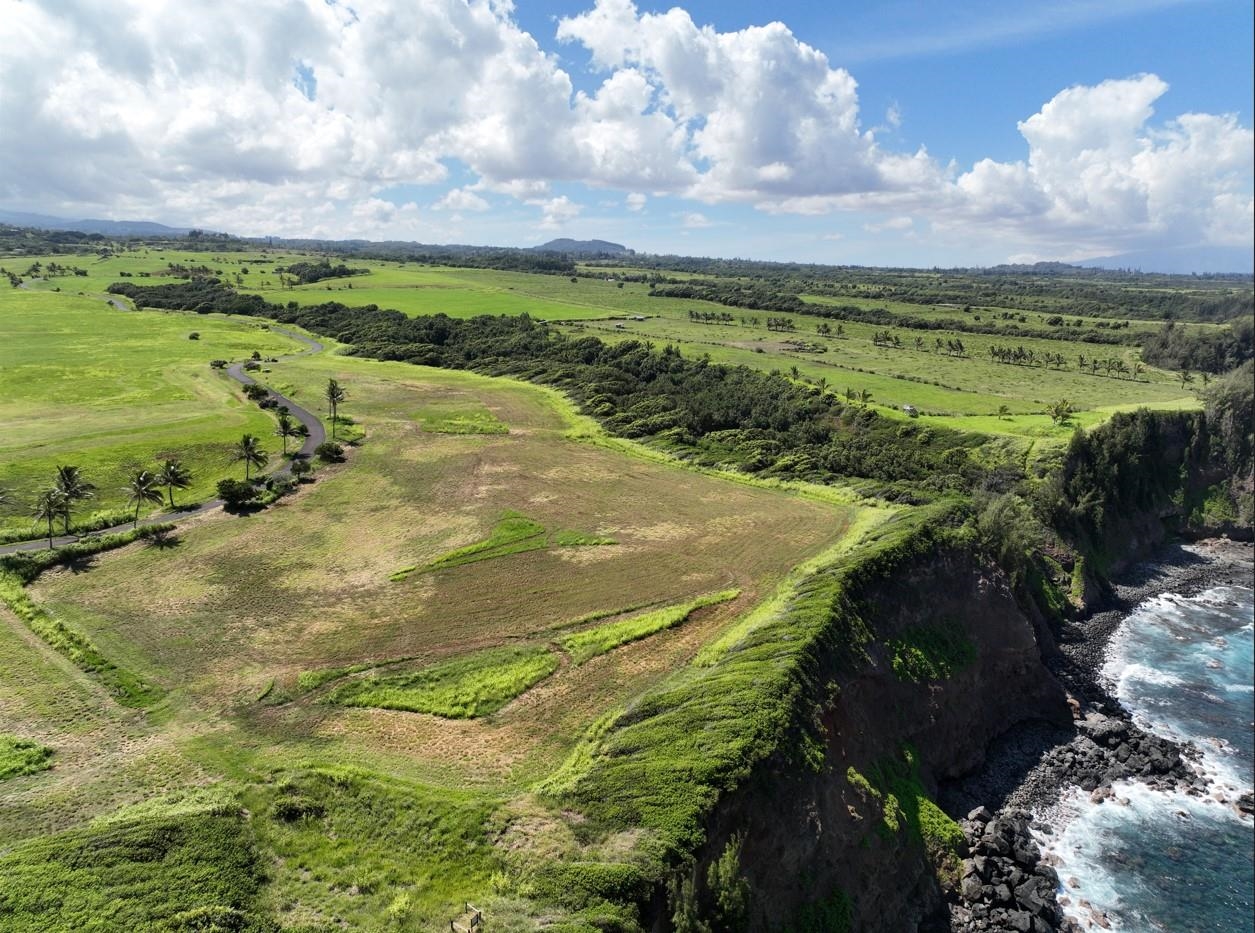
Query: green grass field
(112, 392)
(966, 392)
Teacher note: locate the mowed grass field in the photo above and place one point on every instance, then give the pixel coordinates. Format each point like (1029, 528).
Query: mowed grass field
(310, 584)
(111, 392)
(230, 619)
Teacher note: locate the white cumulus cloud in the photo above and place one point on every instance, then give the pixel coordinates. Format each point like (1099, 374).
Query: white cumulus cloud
(556, 212)
(307, 116)
(1100, 175)
(461, 199)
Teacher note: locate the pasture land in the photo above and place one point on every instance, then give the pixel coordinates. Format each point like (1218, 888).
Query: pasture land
(310, 583)
(941, 385)
(112, 392)
(966, 391)
(261, 630)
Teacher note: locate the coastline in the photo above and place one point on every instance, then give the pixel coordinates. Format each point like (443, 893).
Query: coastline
(1019, 797)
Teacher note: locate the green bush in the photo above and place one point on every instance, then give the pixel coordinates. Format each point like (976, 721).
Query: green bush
(236, 494)
(329, 452)
(581, 884)
(28, 565)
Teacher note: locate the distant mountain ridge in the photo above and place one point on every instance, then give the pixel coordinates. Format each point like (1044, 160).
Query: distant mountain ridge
(104, 227)
(1180, 260)
(584, 247)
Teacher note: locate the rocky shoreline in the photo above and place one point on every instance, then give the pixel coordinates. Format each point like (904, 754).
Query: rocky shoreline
(1005, 883)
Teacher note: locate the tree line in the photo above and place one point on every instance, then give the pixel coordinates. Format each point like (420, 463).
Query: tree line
(716, 414)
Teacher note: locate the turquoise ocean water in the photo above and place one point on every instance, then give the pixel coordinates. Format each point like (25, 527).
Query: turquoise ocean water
(1155, 861)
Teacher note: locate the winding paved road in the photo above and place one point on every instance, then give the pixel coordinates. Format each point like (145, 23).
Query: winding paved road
(317, 435)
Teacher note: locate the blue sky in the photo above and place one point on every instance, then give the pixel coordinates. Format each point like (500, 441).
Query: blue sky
(876, 133)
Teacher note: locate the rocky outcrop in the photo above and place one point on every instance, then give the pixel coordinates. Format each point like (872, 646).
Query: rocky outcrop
(1005, 884)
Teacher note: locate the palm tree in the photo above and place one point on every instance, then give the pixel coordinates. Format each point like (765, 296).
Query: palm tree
(174, 475)
(821, 384)
(49, 505)
(284, 429)
(334, 394)
(864, 396)
(249, 450)
(73, 488)
(1186, 376)
(143, 487)
(1138, 369)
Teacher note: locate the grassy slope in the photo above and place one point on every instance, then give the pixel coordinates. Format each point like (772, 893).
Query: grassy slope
(181, 867)
(111, 391)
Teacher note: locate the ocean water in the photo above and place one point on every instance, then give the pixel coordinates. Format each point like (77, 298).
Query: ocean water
(1154, 861)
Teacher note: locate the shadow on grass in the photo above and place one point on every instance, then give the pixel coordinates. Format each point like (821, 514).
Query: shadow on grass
(163, 540)
(81, 563)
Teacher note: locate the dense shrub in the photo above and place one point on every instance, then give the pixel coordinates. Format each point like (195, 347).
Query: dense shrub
(235, 493)
(329, 452)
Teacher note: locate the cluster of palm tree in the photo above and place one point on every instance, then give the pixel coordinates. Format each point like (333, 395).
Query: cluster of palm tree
(781, 323)
(1119, 368)
(712, 317)
(71, 487)
(1022, 356)
(887, 338)
(824, 329)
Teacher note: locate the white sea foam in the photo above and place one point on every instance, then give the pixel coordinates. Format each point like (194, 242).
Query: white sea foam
(1089, 849)
(1156, 860)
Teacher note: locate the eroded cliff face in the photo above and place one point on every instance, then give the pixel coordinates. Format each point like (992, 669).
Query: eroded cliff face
(827, 836)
